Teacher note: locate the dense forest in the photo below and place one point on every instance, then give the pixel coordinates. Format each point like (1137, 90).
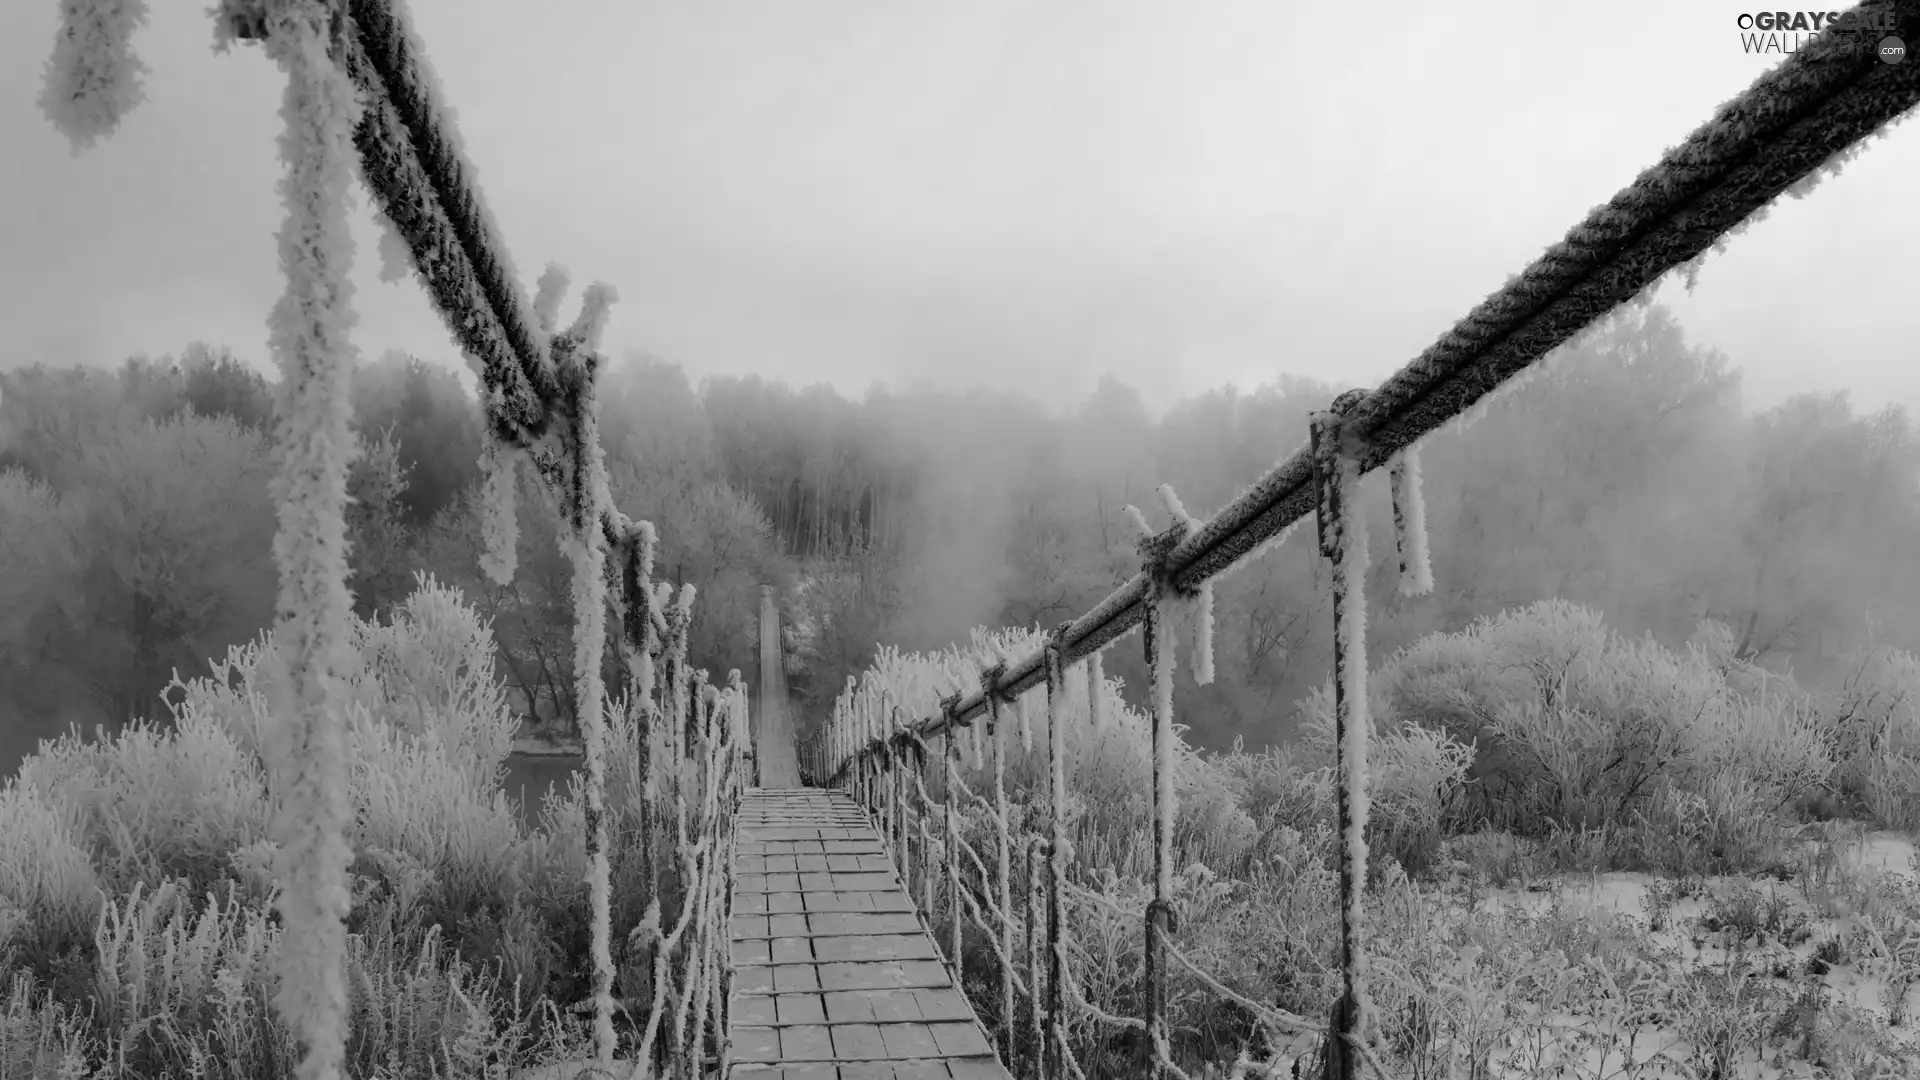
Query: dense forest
(135, 526)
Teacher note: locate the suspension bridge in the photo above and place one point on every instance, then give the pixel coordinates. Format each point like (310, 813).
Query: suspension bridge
(825, 931)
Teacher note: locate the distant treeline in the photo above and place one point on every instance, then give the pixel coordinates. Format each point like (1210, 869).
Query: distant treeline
(136, 531)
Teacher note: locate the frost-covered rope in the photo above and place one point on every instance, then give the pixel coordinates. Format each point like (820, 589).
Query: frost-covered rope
(990, 917)
(581, 509)
(93, 78)
(310, 328)
(1046, 984)
(1800, 119)
(704, 841)
(538, 399)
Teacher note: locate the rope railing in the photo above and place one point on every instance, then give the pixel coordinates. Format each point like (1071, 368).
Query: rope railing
(1797, 123)
(360, 96)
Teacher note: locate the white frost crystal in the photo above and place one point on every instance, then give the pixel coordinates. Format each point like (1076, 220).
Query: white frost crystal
(92, 80)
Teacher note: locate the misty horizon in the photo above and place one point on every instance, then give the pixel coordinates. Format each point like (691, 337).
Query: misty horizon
(1187, 202)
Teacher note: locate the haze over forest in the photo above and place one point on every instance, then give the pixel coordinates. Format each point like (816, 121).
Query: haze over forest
(136, 525)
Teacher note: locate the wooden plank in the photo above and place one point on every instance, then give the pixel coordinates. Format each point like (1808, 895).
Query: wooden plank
(834, 976)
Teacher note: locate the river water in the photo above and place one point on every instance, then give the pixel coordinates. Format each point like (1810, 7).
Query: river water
(530, 775)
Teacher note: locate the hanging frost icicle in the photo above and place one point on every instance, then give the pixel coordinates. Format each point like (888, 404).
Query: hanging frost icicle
(396, 259)
(643, 659)
(596, 305)
(1175, 508)
(1410, 524)
(1025, 708)
(1198, 612)
(305, 746)
(499, 525)
(92, 80)
(548, 292)
(1097, 692)
(1509, 390)
(1202, 618)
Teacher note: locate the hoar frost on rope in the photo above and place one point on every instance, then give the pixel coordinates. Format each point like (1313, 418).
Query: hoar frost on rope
(92, 80)
(1688, 273)
(310, 329)
(584, 543)
(1507, 390)
(91, 83)
(425, 83)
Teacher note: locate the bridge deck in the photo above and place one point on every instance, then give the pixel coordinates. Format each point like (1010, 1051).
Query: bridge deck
(834, 975)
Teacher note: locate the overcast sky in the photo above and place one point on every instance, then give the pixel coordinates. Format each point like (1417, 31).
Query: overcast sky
(1182, 192)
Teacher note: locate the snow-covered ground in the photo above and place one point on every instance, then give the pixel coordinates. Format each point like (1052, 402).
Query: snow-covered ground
(1828, 944)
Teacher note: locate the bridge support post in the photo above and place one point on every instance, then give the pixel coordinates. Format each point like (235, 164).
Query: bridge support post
(1036, 974)
(1003, 855)
(1054, 1051)
(951, 753)
(1161, 922)
(1343, 541)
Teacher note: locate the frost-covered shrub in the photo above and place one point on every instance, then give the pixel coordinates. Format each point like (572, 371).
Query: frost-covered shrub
(556, 853)
(1109, 771)
(430, 731)
(185, 979)
(48, 888)
(429, 672)
(1577, 727)
(233, 696)
(1411, 772)
(1871, 724)
(415, 798)
(152, 803)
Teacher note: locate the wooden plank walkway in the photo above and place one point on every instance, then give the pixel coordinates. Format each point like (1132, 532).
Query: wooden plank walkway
(774, 748)
(834, 975)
